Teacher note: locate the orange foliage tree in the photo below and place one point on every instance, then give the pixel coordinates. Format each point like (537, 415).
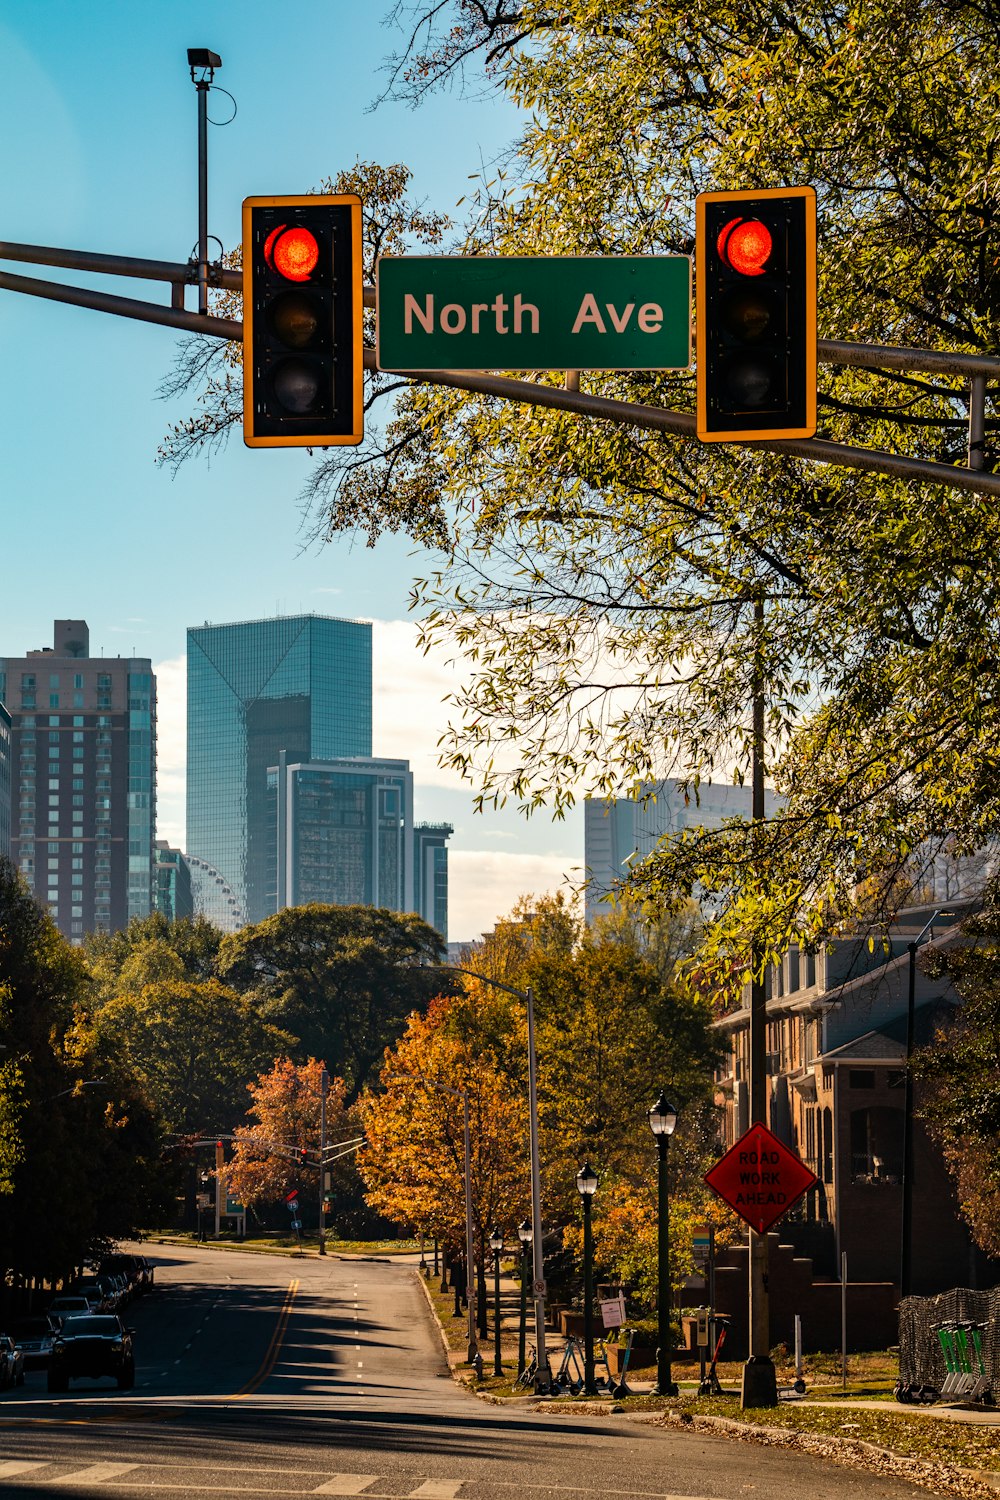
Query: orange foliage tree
(286, 1114)
(413, 1161)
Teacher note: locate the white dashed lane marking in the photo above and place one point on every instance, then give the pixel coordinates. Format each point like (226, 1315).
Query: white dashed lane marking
(95, 1474)
(11, 1466)
(345, 1484)
(437, 1489)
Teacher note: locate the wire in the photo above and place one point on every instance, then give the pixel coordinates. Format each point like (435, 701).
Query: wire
(215, 89)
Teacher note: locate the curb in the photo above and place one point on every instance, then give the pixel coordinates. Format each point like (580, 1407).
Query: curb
(440, 1331)
(851, 1450)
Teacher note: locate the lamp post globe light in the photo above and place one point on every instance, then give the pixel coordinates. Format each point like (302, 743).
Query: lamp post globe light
(663, 1122)
(496, 1245)
(586, 1185)
(524, 1235)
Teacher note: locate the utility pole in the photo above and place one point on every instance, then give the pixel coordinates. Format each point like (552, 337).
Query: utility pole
(760, 1386)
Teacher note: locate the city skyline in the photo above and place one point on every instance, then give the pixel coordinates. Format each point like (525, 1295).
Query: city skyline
(225, 539)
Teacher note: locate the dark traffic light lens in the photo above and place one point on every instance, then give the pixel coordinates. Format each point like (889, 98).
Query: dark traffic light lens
(745, 246)
(294, 319)
(751, 380)
(748, 313)
(298, 385)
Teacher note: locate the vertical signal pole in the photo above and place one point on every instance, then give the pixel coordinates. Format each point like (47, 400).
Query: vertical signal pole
(205, 62)
(324, 1084)
(759, 1382)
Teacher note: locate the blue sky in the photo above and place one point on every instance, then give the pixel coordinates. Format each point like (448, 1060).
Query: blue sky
(98, 114)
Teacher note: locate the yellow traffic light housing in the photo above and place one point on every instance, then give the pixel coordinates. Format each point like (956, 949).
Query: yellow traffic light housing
(755, 270)
(302, 321)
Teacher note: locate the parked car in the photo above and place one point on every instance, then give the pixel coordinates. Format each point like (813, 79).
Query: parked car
(66, 1304)
(96, 1294)
(11, 1363)
(33, 1336)
(93, 1345)
(132, 1267)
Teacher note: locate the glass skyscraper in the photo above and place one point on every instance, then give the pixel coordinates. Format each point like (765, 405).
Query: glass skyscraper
(302, 685)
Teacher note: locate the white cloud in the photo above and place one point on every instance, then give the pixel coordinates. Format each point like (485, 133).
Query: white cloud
(484, 885)
(409, 713)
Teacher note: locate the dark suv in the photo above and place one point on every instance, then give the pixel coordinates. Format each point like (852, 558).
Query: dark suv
(92, 1344)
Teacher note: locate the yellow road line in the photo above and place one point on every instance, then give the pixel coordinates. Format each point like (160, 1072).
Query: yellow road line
(274, 1348)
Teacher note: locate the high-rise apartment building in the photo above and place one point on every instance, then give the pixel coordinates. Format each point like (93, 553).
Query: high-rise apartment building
(302, 685)
(619, 834)
(83, 762)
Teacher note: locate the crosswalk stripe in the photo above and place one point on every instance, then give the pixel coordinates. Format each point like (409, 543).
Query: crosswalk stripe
(95, 1473)
(345, 1484)
(437, 1489)
(11, 1466)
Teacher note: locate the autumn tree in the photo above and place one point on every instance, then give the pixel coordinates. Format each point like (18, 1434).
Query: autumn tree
(285, 1112)
(339, 979)
(413, 1161)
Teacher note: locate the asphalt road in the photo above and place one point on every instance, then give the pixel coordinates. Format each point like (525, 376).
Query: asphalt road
(261, 1375)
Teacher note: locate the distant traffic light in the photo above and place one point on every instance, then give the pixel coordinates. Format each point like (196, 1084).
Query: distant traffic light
(302, 321)
(755, 270)
(303, 1157)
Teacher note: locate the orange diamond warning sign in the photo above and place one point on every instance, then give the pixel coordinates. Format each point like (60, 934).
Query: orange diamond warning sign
(760, 1178)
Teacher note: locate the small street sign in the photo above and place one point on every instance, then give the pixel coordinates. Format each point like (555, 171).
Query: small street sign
(296, 1223)
(538, 1288)
(512, 312)
(613, 1312)
(760, 1178)
(203, 1200)
(292, 1199)
(701, 1245)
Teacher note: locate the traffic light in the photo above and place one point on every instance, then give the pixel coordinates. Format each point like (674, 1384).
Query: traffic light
(755, 269)
(302, 329)
(303, 1157)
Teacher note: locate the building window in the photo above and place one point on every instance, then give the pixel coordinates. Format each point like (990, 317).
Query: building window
(53, 700)
(861, 1078)
(78, 680)
(27, 679)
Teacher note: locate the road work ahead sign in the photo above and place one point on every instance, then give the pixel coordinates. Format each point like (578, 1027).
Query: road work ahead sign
(760, 1178)
(442, 312)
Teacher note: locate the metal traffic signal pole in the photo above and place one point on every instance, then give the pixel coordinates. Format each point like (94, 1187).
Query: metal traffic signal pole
(205, 62)
(759, 1382)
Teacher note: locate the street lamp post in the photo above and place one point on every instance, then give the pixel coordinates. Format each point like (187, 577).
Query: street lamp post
(496, 1245)
(586, 1183)
(662, 1122)
(543, 1376)
(524, 1235)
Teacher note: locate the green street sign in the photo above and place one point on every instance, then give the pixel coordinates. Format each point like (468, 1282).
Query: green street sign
(560, 312)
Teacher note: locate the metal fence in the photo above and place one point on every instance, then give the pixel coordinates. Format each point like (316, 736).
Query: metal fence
(921, 1358)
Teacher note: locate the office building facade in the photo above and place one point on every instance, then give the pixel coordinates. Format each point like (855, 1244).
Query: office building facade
(430, 873)
(172, 896)
(83, 777)
(301, 686)
(5, 780)
(343, 833)
(619, 834)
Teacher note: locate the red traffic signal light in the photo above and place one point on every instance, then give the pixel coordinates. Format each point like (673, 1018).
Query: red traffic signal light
(302, 321)
(755, 262)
